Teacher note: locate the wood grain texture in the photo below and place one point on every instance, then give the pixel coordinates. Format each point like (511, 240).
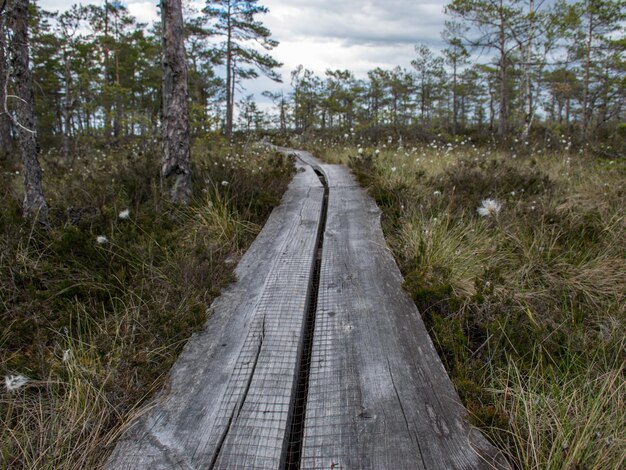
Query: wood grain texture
(229, 392)
(378, 396)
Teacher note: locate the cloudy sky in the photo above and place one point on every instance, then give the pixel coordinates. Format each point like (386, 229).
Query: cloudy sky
(358, 35)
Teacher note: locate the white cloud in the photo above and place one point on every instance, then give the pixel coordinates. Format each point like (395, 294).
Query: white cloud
(352, 34)
(323, 34)
(358, 35)
(372, 23)
(349, 34)
(145, 12)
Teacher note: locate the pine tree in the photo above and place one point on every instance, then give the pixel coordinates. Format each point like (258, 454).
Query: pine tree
(599, 19)
(306, 95)
(68, 25)
(401, 85)
(5, 120)
(456, 56)
(280, 101)
(428, 67)
(34, 205)
(47, 74)
(377, 95)
(176, 151)
(490, 23)
(235, 21)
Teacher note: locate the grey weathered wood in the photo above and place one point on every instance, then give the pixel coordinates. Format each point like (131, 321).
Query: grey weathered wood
(230, 391)
(378, 395)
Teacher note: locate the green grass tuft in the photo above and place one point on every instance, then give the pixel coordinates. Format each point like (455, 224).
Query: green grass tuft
(526, 307)
(95, 327)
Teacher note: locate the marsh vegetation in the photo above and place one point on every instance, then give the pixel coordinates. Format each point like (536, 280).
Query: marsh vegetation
(515, 258)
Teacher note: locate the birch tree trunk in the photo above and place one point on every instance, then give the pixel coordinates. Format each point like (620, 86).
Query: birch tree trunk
(176, 152)
(34, 205)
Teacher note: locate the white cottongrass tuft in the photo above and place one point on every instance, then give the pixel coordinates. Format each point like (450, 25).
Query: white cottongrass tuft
(102, 240)
(225, 183)
(13, 382)
(377, 151)
(67, 355)
(393, 169)
(489, 207)
(437, 193)
(360, 150)
(125, 214)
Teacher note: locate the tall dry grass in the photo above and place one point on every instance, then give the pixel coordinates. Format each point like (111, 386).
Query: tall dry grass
(95, 327)
(527, 307)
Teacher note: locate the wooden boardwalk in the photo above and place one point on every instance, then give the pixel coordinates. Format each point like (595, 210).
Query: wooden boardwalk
(314, 358)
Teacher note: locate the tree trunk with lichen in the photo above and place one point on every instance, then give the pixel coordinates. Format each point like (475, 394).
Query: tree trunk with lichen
(5, 120)
(176, 163)
(34, 204)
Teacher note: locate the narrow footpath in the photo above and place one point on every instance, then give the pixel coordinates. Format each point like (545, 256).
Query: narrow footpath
(315, 358)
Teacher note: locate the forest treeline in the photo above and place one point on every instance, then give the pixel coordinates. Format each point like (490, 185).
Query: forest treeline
(93, 74)
(97, 70)
(558, 65)
(508, 66)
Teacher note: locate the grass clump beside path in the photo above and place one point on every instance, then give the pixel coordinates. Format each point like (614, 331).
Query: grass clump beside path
(96, 308)
(525, 298)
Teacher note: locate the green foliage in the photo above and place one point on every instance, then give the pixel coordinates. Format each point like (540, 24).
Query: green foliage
(521, 92)
(236, 21)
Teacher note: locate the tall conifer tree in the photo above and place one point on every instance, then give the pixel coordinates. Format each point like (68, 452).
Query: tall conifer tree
(34, 204)
(235, 21)
(5, 120)
(176, 151)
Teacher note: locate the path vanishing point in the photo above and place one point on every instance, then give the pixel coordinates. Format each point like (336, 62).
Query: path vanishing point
(314, 358)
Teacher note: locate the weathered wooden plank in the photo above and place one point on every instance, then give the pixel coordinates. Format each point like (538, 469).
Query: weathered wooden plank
(257, 437)
(378, 395)
(338, 176)
(230, 391)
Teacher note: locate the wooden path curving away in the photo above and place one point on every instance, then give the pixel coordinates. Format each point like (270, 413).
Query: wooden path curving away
(315, 358)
